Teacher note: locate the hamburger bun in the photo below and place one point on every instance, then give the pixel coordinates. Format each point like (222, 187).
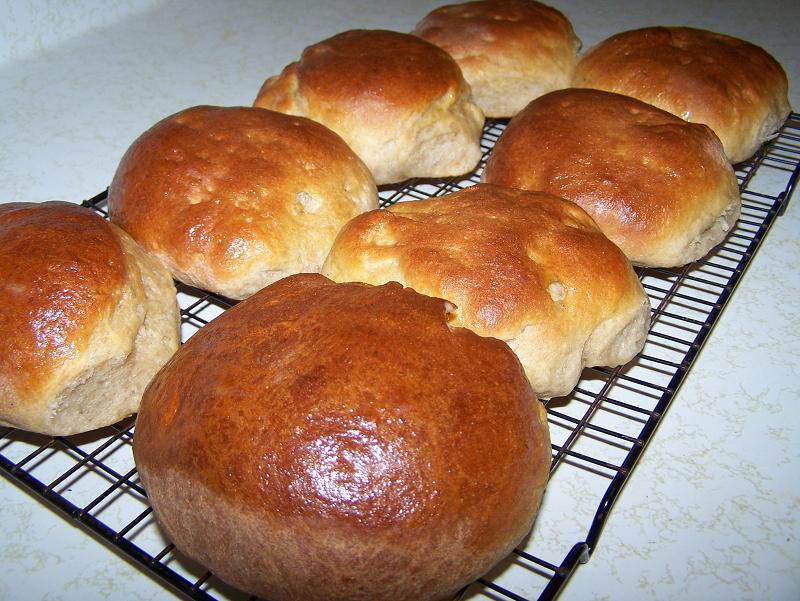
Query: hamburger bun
(88, 318)
(329, 442)
(232, 199)
(510, 51)
(526, 267)
(733, 86)
(400, 102)
(660, 188)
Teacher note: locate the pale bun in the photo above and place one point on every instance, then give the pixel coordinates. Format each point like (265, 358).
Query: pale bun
(510, 51)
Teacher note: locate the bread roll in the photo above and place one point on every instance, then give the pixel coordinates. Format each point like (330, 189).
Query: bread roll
(659, 187)
(87, 319)
(510, 51)
(528, 268)
(232, 199)
(400, 103)
(328, 442)
(733, 86)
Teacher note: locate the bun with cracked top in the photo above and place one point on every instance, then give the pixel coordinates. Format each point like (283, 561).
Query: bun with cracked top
(526, 267)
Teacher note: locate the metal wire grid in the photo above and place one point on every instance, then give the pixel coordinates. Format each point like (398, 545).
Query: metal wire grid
(598, 432)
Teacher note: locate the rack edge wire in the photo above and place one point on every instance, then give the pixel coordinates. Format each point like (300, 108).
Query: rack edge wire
(581, 551)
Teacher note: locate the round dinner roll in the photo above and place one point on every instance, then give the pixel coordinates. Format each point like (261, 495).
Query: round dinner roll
(87, 319)
(733, 86)
(510, 51)
(230, 199)
(660, 188)
(400, 102)
(343, 442)
(526, 267)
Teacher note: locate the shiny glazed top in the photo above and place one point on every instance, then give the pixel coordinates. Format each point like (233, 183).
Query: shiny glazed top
(346, 401)
(379, 75)
(61, 267)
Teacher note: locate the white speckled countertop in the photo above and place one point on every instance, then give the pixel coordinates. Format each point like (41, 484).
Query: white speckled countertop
(712, 511)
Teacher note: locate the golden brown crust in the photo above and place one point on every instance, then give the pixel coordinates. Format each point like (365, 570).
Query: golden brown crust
(510, 51)
(340, 441)
(733, 86)
(658, 187)
(389, 95)
(231, 199)
(54, 286)
(528, 268)
(87, 319)
(381, 67)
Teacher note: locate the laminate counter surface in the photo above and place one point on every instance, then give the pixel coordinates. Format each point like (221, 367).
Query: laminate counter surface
(712, 509)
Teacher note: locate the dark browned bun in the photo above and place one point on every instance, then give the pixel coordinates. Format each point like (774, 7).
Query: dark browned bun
(401, 103)
(660, 188)
(230, 199)
(87, 319)
(733, 86)
(327, 442)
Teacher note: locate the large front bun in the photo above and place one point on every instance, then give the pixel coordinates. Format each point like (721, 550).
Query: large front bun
(325, 441)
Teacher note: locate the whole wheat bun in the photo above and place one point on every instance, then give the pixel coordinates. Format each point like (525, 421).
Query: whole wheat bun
(526, 267)
(510, 51)
(232, 199)
(329, 442)
(660, 188)
(733, 86)
(400, 102)
(87, 319)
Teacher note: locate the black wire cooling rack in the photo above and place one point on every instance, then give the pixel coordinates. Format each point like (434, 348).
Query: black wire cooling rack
(598, 432)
